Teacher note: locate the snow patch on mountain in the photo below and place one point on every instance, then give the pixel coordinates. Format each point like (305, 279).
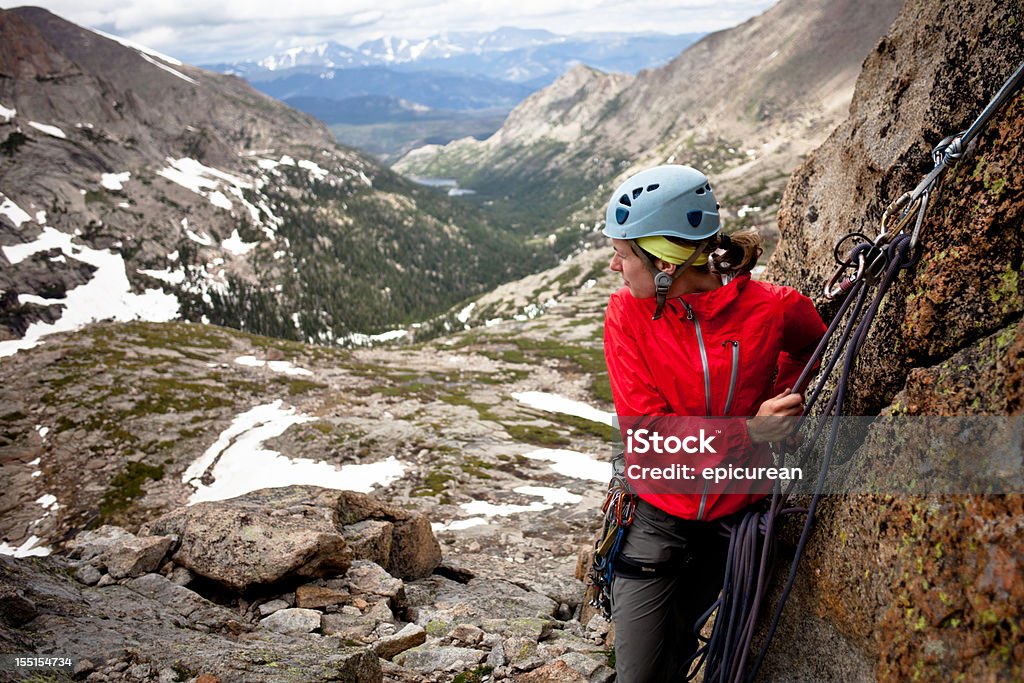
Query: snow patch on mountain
(13, 212)
(173, 72)
(239, 462)
(108, 295)
(132, 45)
(115, 181)
(52, 131)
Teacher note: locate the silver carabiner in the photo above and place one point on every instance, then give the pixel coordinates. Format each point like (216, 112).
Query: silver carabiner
(836, 285)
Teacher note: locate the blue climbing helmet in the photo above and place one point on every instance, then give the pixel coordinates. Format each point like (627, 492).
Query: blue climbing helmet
(670, 200)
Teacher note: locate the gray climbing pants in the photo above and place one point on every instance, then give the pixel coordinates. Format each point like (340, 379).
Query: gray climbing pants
(654, 617)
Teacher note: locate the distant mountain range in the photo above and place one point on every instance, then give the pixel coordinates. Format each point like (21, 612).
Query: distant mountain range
(471, 80)
(533, 58)
(429, 88)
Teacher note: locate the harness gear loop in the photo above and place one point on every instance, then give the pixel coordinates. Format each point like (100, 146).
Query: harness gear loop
(619, 507)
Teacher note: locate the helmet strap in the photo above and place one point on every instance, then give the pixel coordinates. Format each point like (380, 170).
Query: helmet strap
(662, 283)
(662, 280)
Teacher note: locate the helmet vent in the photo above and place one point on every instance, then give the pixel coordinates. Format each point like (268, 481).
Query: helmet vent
(637, 191)
(624, 199)
(694, 217)
(700, 190)
(707, 186)
(652, 188)
(621, 215)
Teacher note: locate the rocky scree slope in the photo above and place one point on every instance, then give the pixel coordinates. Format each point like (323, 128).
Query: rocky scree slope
(743, 104)
(222, 204)
(127, 423)
(921, 587)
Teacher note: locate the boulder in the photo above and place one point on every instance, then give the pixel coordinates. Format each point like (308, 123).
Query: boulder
(430, 660)
(314, 596)
(89, 545)
(122, 553)
(88, 574)
(271, 606)
(259, 538)
(466, 634)
(521, 653)
(132, 557)
(410, 636)
(292, 621)
(366, 578)
(292, 532)
(370, 540)
(414, 552)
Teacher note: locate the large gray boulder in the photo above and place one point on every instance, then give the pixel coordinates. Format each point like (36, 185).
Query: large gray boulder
(293, 532)
(259, 538)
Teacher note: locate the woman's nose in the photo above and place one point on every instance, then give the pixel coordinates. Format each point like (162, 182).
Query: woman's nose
(616, 263)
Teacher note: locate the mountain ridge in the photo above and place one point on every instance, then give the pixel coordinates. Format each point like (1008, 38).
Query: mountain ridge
(722, 104)
(211, 192)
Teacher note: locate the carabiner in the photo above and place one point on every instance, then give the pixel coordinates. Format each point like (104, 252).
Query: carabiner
(835, 287)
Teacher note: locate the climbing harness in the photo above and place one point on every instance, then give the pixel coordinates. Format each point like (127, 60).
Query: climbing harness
(619, 507)
(869, 265)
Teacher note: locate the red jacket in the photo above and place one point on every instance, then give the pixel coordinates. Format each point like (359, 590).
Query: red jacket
(657, 368)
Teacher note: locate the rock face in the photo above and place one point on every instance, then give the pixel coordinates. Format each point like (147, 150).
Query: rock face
(262, 537)
(925, 588)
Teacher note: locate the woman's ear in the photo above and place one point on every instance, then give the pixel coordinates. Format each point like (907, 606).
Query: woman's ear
(665, 266)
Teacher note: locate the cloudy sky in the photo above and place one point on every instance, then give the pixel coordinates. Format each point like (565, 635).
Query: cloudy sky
(206, 31)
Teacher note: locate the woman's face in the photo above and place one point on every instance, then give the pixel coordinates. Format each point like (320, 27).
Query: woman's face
(634, 272)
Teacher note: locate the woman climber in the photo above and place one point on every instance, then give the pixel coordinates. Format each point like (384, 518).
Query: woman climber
(690, 337)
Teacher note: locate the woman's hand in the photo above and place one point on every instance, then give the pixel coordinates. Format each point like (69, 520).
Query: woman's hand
(776, 418)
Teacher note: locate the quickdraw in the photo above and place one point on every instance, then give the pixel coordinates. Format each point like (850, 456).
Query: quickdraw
(619, 507)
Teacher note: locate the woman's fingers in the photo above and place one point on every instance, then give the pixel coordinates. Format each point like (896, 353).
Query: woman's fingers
(775, 418)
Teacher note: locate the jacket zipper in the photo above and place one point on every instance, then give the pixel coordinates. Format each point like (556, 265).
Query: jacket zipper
(707, 392)
(733, 374)
(703, 359)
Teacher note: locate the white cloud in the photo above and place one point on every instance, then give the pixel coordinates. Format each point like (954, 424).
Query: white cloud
(206, 31)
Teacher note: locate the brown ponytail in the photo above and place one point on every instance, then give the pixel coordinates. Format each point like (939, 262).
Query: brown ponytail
(737, 253)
